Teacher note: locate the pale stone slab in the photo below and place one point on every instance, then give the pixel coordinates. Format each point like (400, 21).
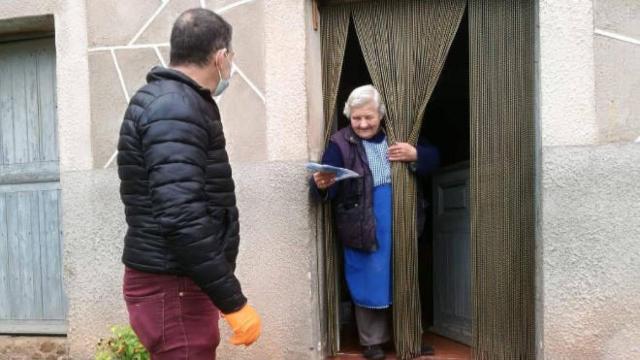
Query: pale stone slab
(617, 90)
(135, 64)
(621, 16)
(159, 31)
(248, 40)
(116, 22)
(108, 104)
(244, 120)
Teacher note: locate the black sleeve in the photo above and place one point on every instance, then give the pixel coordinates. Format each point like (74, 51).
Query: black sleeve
(232, 239)
(174, 141)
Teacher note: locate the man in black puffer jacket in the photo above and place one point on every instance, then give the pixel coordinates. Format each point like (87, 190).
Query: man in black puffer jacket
(180, 205)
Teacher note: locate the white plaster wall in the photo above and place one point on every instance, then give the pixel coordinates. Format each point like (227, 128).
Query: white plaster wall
(275, 263)
(73, 86)
(285, 79)
(591, 256)
(617, 65)
(589, 206)
(567, 108)
(315, 120)
(93, 231)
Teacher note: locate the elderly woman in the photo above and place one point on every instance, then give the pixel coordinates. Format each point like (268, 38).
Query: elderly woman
(363, 210)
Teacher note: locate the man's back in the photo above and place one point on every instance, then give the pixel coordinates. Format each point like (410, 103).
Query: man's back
(182, 239)
(177, 188)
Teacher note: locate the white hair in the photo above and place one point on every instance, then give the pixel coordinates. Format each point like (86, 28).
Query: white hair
(364, 95)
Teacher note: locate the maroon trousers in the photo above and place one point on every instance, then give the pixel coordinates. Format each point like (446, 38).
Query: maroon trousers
(171, 315)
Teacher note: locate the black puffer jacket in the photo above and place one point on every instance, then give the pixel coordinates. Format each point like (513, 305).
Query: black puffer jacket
(177, 188)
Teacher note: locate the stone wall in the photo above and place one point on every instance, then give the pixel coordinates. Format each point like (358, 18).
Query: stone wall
(617, 69)
(72, 113)
(33, 348)
(264, 114)
(589, 204)
(125, 45)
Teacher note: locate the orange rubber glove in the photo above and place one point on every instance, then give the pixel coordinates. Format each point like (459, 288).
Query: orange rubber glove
(245, 324)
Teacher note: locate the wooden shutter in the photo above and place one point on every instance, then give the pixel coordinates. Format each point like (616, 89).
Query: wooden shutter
(31, 284)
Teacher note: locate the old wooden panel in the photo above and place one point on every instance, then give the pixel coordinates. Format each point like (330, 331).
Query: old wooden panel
(47, 103)
(6, 109)
(31, 284)
(451, 254)
(4, 260)
(51, 250)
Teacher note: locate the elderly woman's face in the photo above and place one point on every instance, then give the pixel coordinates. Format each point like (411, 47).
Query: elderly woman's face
(365, 120)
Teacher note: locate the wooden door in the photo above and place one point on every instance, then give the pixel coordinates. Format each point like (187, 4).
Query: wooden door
(451, 254)
(31, 285)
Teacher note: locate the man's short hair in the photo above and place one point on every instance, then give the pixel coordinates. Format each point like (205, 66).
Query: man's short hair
(196, 35)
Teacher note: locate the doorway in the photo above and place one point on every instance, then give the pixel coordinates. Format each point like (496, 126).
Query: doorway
(445, 263)
(446, 126)
(32, 299)
(494, 198)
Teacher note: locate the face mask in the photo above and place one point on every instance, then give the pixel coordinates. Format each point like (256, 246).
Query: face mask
(223, 84)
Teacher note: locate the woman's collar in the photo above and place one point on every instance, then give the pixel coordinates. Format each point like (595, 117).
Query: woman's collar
(379, 137)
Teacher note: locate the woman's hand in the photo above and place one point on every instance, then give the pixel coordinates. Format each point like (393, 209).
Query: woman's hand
(324, 179)
(402, 152)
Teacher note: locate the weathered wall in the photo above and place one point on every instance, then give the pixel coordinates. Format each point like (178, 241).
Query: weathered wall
(33, 348)
(71, 72)
(104, 50)
(93, 233)
(591, 206)
(126, 45)
(617, 69)
(264, 116)
(74, 131)
(590, 209)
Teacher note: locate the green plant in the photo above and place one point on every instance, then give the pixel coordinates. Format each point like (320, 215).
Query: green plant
(123, 345)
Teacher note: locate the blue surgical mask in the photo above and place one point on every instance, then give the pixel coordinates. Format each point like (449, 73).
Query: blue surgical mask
(223, 84)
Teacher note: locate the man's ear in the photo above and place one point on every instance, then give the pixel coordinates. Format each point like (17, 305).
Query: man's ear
(218, 57)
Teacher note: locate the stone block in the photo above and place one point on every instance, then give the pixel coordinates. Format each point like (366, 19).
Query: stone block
(620, 16)
(248, 40)
(47, 347)
(165, 52)
(135, 64)
(244, 120)
(116, 22)
(159, 31)
(617, 90)
(218, 4)
(108, 104)
(32, 347)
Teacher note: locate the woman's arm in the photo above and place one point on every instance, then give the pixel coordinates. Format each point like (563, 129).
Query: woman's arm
(323, 184)
(424, 158)
(428, 159)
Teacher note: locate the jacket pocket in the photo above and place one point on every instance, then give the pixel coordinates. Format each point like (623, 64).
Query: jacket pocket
(349, 223)
(146, 316)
